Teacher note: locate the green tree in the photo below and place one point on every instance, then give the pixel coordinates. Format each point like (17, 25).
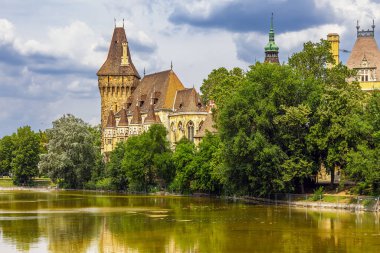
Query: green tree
(115, 172)
(338, 124)
(363, 163)
(293, 128)
(146, 161)
(6, 150)
(99, 170)
(25, 156)
(220, 84)
(207, 164)
(184, 172)
(313, 60)
(257, 149)
(71, 155)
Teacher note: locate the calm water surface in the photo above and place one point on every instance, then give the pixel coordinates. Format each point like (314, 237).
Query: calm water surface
(88, 222)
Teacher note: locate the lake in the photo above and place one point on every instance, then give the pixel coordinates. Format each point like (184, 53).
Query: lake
(60, 221)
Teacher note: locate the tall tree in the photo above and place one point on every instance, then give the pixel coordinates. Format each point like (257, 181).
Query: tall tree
(6, 150)
(25, 156)
(220, 84)
(71, 153)
(254, 147)
(363, 162)
(146, 160)
(184, 173)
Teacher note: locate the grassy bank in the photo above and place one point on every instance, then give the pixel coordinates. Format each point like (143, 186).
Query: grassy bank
(7, 182)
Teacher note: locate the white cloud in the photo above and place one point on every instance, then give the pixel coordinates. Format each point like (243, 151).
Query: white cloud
(6, 32)
(349, 11)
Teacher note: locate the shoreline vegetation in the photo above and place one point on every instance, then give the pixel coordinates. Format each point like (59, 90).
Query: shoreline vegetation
(336, 201)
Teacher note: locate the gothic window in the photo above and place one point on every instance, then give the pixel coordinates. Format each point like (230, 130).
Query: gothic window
(190, 131)
(180, 127)
(200, 126)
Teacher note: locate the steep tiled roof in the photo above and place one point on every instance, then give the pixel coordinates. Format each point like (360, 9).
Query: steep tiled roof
(111, 121)
(364, 47)
(208, 125)
(112, 66)
(188, 100)
(123, 118)
(164, 85)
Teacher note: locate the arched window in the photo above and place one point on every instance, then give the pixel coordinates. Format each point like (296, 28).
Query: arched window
(200, 126)
(190, 131)
(180, 127)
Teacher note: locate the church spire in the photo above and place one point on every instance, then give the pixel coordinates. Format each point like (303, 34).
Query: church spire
(271, 49)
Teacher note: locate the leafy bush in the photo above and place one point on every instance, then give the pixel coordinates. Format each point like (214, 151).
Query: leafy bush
(318, 194)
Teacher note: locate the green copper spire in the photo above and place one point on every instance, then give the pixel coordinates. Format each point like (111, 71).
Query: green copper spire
(271, 49)
(271, 46)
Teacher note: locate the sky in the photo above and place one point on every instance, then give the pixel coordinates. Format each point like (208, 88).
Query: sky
(50, 50)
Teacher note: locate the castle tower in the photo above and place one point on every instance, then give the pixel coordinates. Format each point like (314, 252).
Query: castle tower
(118, 77)
(365, 58)
(271, 49)
(333, 38)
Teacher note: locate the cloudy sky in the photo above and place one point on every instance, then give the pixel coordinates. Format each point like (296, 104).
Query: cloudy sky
(50, 50)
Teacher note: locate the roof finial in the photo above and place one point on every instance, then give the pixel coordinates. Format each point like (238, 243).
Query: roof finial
(357, 25)
(123, 22)
(271, 22)
(144, 71)
(171, 65)
(373, 25)
(114, 21)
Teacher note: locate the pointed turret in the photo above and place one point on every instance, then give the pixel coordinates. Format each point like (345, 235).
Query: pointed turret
(123, 118)
(136, 115)
(111, 121)
(119, 61)
(151, 117)
(271, 49)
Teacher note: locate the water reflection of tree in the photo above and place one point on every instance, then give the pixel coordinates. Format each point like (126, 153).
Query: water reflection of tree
(21, 231)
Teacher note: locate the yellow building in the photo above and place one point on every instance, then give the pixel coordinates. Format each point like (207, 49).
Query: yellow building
(129, 106)
(364, 57)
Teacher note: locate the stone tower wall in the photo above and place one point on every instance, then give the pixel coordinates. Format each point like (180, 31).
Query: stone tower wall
(114, 91)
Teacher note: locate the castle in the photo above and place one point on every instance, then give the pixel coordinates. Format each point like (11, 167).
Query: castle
(131, 104)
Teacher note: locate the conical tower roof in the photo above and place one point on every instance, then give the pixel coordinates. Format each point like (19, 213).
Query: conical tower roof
(114, 65)
(123, 118)
(111, 121)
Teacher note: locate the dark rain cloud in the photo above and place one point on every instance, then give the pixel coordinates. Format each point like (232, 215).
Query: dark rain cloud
(254, 15)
